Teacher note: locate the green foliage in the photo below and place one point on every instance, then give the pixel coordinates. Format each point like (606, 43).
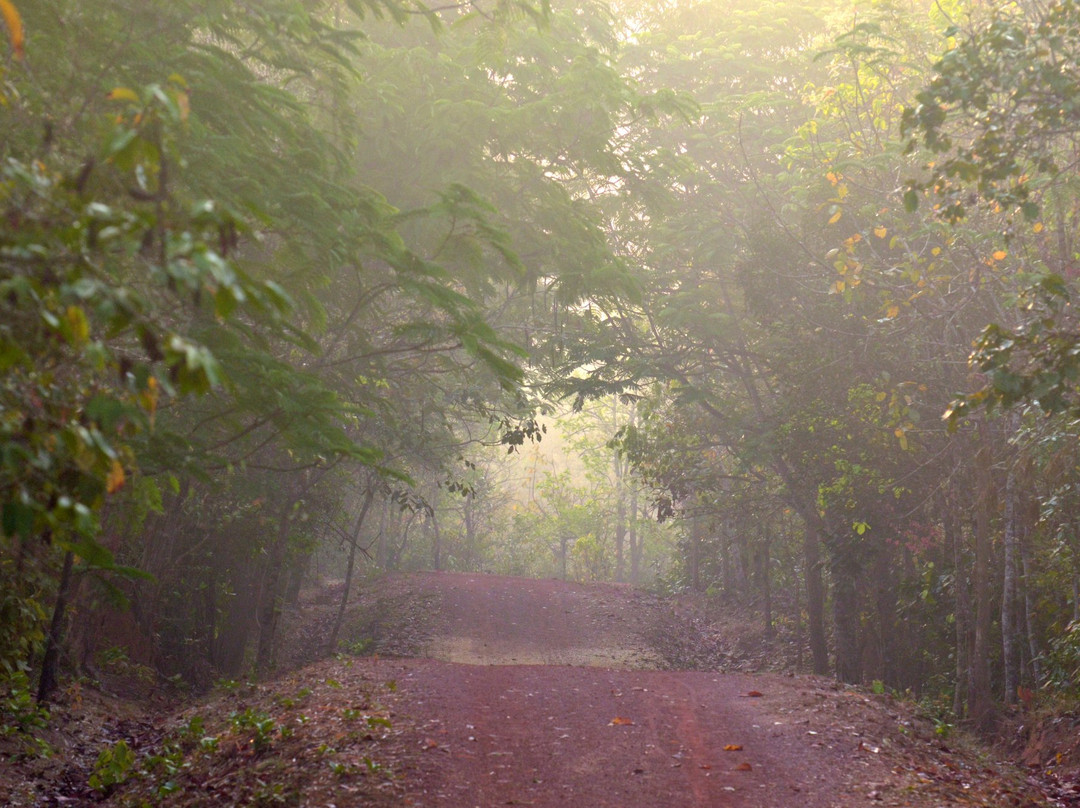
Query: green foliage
(262, 726)
(1063, 660)
(19, 712)
(113, 767)
(999, 109)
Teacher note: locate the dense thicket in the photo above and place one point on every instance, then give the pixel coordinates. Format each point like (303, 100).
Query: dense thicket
(277, 281)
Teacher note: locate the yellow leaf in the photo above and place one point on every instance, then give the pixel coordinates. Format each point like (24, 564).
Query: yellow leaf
(15, 27)
(183, 103)
(121, 93)
(78, 325)
(733, 747)
(116, 478)
(619, 721)
(881, 232)
(836, 217)
(892, 312)
(838, 287)
(831, 178)
(1000, 255)
(936, 251)
(1038, 228)
(148, 398)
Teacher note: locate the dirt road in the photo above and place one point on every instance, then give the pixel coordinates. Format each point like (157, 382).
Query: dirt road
(543, 693)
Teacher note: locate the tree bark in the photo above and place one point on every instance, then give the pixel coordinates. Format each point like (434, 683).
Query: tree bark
(954, 542)
(436, 542)
(339, 618)
(50, 664)
(695, 554)
(846, 616)
(272, 601)
(980, 704)
(1010, 645)
(815, 596)
(766, 581)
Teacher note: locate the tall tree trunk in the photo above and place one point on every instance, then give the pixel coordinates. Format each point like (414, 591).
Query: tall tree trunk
(980, 703)
(382, 550)
(844, 571)
(354, 543)
(766, 581)
(272, 601)
(1010, 645)
(634, 538)
(1030, 520)
(436, 542)
(472, 553)
(695, 553)
(620, 501)
(726, 563)
(50, 664)
(815, 595)
(954, 542)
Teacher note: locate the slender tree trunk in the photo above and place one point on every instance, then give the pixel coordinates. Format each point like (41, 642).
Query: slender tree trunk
(1009, 624)
(472, 554)
(382, 553)
(620, 532)
(50, 664)
(695, 553)
(620, 501)
(272, 602)
(954, 542)
(766, 582)
(798, 626)
(1032, 511)
(815, 596)
(634, 538)
(339, 618)
(846, 616)
(980, 703)
(436, 542)
(726, 563)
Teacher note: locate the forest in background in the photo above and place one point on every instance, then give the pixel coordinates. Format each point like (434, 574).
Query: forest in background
(282, 284)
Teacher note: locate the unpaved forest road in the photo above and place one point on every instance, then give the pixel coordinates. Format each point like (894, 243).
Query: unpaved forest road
(523, 715)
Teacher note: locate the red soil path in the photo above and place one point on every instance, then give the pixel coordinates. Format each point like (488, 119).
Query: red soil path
(601, 731)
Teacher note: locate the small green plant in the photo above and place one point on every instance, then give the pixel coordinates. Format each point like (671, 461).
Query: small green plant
(263, 725)
(877, 687)
(361, 647)
(113, 767)
(194, 729)
(19, 711)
